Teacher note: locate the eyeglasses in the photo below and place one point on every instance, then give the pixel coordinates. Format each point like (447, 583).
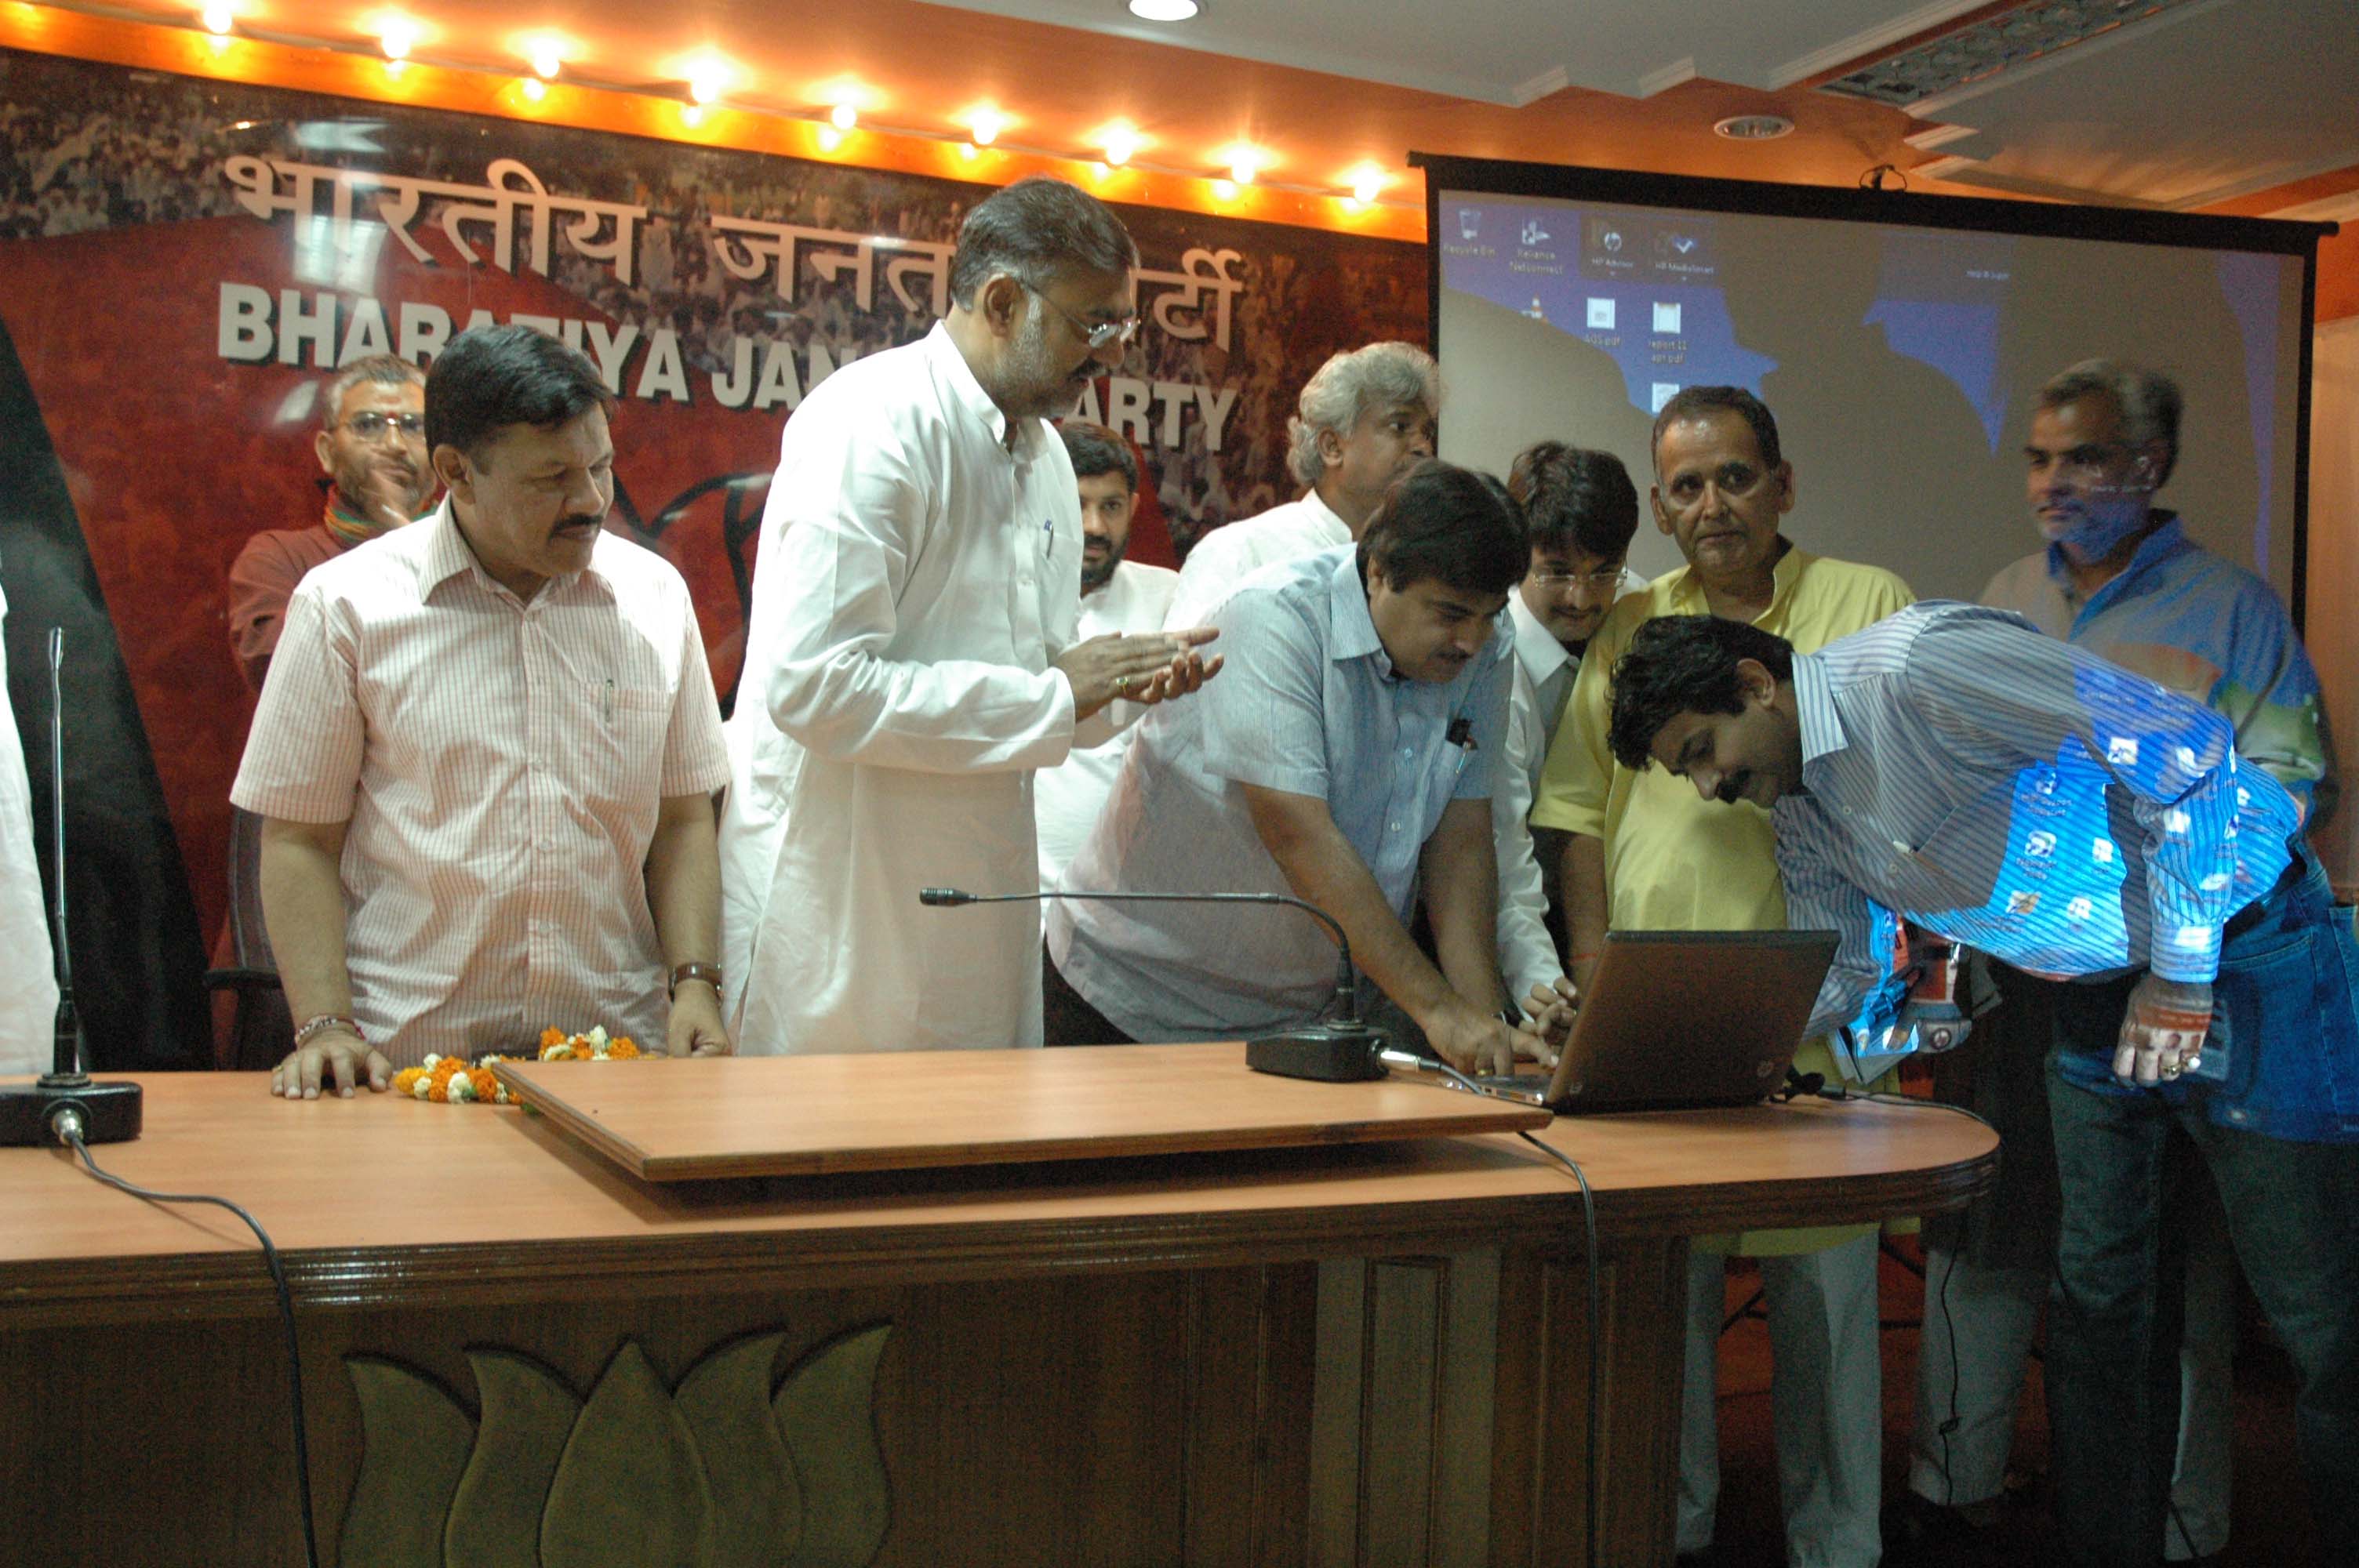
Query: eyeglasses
(1610, 578)
(1097, 335)
(369, 425)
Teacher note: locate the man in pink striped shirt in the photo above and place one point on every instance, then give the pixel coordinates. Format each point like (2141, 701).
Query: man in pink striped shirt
(485, 754)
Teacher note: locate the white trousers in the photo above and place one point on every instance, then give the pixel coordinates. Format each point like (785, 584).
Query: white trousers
(1826, 1402)
(1978, 1326)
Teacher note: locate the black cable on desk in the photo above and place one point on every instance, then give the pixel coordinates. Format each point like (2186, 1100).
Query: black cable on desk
(73, 1140)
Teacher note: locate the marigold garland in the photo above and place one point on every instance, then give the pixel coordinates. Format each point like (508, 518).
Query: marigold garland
(455, 1080)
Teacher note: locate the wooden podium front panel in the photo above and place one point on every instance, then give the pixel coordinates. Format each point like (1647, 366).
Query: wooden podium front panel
(801, 1116)
(1417, 1410)
(1283, 1356)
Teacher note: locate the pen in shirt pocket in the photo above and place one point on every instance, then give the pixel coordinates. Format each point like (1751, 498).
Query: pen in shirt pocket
(606, 700)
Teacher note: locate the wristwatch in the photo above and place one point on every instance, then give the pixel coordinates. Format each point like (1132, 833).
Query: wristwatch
(709, 973)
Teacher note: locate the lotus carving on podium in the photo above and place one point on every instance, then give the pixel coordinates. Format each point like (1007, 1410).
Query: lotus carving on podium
(730, 1469)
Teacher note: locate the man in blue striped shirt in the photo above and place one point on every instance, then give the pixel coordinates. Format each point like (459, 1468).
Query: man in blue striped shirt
(1952, 767)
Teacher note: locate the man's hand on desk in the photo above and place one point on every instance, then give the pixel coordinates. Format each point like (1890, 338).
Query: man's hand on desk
(337, 1059)
(695, 1028)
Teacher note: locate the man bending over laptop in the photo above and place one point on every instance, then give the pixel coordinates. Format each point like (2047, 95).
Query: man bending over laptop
(1954, 768)
(1346, 759)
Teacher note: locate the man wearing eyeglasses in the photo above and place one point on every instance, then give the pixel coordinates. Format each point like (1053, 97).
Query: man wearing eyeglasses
(372, 448)
(1644, 853)
(1582, 511)
(913, 654)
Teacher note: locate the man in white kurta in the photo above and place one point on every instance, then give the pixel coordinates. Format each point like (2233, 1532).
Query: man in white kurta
(913, 655)
(29, 986)
(1365, 419)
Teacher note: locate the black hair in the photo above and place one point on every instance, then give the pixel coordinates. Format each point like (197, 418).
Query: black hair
(1575, 500)
(1033, 230)
(1096, 450)
(493, 377)
(1696, 402)
(1456, 526)
(1684, 664)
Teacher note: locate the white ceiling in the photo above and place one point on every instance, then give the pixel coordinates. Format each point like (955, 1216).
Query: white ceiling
(2198, 104)
(1513, 51)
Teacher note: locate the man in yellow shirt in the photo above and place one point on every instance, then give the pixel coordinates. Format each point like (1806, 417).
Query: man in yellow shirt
(1647, 854)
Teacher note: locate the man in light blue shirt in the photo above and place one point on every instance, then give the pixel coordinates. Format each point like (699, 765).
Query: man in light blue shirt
(1347, 759)
(1953, 768)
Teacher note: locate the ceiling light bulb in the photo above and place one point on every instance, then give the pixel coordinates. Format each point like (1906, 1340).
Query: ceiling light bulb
(546, 63)
(1121, 146)
(218, 17)
(1368, 188)
(986, 128)
(1164, 10)
(398, 38)
(704, 87)
(844, 117)
(1241, 171)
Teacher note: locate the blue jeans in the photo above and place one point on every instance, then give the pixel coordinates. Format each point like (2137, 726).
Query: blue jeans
(2124, 1158)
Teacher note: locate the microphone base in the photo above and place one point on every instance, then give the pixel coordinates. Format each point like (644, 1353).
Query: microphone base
(1328, 1053)
(30, 1114)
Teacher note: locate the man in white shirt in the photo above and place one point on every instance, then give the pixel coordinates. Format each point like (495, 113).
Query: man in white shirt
(1117, 596)
(27, 982)
(485, 755)
(1581, 512)
(913, 654)
(1345, 759)
(1367, 419)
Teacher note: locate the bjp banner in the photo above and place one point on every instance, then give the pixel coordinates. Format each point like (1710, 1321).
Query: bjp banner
(185, 265)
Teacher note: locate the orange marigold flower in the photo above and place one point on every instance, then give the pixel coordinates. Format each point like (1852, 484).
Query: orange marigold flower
(439, 1079)
(487, 1086)
(621, 1049)
(405, 1082)
(551, 1036)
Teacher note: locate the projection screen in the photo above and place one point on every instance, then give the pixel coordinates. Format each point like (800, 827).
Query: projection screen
(1898, 339)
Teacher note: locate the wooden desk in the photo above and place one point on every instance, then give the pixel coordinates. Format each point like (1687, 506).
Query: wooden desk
(1365, 1354)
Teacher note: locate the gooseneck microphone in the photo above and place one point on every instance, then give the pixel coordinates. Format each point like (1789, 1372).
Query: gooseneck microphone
(63, 1104)
(1340, 1049)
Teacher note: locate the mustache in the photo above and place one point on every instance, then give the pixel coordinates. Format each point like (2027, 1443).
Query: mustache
(1731, 788)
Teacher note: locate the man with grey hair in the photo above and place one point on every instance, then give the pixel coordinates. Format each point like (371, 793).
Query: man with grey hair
(2119, 577)
(372, 449)
(1363, 420)
(912, 655)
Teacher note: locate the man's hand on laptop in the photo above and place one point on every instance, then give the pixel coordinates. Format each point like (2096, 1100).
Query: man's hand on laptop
(1473, 1042)
(1547, 1021)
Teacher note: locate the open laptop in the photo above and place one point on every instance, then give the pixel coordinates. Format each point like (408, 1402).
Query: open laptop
(1683, 1020)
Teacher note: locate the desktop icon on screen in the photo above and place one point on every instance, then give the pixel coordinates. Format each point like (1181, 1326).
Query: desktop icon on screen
(1667, 314)
(1601, 314)
(1663, 390)
(1470, 223)
(1533, 234)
